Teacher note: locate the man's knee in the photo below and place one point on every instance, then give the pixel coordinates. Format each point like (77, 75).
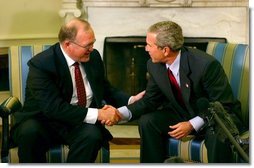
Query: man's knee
(89, 134)
(95, 135)
(29, 131)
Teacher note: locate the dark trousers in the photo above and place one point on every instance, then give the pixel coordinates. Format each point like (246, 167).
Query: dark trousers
(35, 137)
(153, 129)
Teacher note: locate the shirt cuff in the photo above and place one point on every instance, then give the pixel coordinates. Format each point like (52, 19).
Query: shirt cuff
(197, 123)
(91, 116)
(126, 114)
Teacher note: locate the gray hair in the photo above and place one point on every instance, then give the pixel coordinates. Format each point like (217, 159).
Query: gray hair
(169, 34)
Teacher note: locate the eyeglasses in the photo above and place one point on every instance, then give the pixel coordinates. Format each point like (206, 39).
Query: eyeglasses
(85, 47)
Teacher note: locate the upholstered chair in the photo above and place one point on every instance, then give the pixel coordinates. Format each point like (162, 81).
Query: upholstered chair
(19, 55)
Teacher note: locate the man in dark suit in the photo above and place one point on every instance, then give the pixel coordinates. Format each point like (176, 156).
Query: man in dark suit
(55, 112)
(163, 110)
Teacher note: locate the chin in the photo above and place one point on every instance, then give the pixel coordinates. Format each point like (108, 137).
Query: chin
(154, 61)
(85, 59)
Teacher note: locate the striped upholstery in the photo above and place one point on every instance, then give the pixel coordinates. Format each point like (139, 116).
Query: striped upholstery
(19, 56)
(235, 61)
(7, 107)
(12, 104)
(58, 154)
(189, 148)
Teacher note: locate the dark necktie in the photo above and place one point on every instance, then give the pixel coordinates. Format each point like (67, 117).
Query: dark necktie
(175, 88)
(81, 92)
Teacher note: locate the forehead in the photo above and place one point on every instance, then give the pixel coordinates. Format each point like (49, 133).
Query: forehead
(151, 37)
(87, 35)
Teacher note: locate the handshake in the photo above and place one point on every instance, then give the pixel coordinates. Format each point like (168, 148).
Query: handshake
(109, 115)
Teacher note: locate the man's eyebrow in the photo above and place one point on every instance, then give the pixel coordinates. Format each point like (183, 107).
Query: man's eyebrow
(92, 42)
(148, 44)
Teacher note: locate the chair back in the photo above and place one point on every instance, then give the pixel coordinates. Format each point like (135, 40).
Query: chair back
(235, 61)
(19, 56)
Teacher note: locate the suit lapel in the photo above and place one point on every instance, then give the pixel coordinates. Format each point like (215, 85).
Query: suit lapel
(164, 84)
(89, 76)
(185, 81)
(164, 81)
(97, 96)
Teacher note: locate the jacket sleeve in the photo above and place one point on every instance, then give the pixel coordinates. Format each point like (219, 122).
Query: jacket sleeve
(152, 99)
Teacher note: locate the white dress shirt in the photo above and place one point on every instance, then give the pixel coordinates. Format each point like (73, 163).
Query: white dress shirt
(92, 113)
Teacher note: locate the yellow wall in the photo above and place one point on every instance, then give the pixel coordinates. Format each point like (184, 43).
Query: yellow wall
(22, 19)
(26, 22)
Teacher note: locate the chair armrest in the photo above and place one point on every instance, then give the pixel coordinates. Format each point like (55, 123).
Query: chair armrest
(9, 106)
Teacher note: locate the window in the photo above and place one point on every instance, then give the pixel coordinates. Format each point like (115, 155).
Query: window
(4, 70)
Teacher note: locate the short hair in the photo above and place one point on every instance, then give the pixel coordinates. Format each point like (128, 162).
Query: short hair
(69, 30)
(169, 34)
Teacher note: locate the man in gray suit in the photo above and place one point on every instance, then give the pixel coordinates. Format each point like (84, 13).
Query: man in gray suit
(179, 77)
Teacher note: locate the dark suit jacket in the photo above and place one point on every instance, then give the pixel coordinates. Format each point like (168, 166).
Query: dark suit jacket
(201, 75)
(49, 89)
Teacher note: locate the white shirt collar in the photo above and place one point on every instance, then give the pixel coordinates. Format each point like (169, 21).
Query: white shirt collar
(68, 59)
(174, 67)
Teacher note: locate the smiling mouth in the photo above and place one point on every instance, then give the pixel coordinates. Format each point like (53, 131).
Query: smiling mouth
(87, 54)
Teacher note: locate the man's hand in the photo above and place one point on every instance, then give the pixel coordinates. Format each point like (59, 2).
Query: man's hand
(109, 115)
(180, 130)
(137, 97)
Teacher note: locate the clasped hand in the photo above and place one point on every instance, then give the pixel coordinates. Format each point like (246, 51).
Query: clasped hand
(109, 115)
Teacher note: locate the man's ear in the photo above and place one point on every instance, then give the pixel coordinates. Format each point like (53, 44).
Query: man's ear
(66, 43)
(166, 51)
